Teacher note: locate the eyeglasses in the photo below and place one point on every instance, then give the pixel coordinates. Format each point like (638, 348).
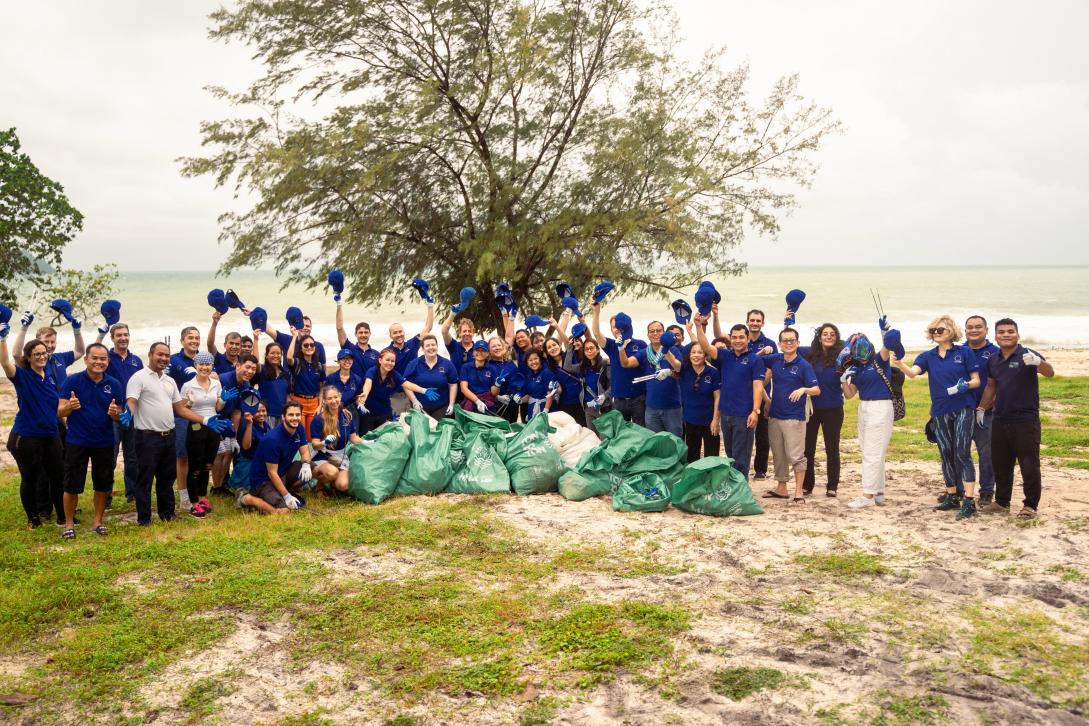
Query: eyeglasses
(308, 345)
(788, 341)
(936, 331)
(39, 354)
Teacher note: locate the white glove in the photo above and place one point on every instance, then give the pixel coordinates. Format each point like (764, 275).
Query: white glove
(504, 399)
(848, 374)
(619, 340)
(330, 441)
(304, 472)
(980, 415)
(417, 406)
(235, 448)
(291, 502)
(450, 410)
(362, 409)
(481, 406)
(1031, 359)
(517, 398)
(190, 372)
(663, 373)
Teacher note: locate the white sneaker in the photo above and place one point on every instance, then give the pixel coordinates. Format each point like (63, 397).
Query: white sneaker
(860, 502)
(879, 499)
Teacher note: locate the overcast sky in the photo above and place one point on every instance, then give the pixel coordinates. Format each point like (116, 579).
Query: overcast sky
(965, 137)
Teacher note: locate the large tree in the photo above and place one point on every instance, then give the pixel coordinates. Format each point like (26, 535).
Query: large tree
(477, 141)
(36, 220)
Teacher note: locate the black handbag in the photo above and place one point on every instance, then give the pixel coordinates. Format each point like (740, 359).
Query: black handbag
(899, 406)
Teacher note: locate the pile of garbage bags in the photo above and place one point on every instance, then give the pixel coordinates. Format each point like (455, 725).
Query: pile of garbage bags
(477, 454)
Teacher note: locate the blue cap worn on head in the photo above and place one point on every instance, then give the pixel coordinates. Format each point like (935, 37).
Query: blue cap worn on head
(204, 358)
(5, 314)
(335, 278)
(233, 301)
(481, 345)
(467, 294)
(344, 353)
(668, 339)
(218, 300)
(572, 304)
(706, 296)
(577, 330)
(682, 311)
(258, 318)
(423, 289)
(536, 321)
(623, 324)
(564, 290)
(295, 318)
(601, 290)
(111, 311)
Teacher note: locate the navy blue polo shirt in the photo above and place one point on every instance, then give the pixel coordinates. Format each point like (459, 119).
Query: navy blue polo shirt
(480, 380)
(345, 428)
(363, 360)
(37, 399)
(737, 373)
(660, 394)
(222, 364)
(273, 390)
(787, 377)
(620, 377)
(378, 402)
(698, 393)
(537, 383)
(123, 368)
(230, 380)
(348, 389)
(56, 369)
(406, 354)
(943, 372)
(284, 340)
(438, 376)
(307, 378)
(827, 378)
(459, 354)
(90, 425)
(570, 386)
(760, 343)
(259, 432)
(278, 447)
(181, 368)
(870, 385)
(1017, 387)
(983, 354)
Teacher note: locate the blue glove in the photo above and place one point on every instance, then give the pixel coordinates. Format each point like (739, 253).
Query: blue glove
(125, 419)
(883, 323)
(76, 324)
(501, 380)
(961, 386)
(228, 394)
(432, 395)
(217, 424)
(330, 441)
(26, 320)
(190, 372)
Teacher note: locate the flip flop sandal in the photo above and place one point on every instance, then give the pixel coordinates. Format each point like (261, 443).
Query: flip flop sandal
(100, 530)
(68, 534)
(772, 494)
(798, 500)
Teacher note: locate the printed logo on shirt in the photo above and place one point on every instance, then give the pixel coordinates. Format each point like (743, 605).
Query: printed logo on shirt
(957, 358)
(794, 369)
(706, 379)
(1015, 364)
(106, 389)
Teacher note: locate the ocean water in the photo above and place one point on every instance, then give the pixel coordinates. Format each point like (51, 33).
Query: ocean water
(1047, 303)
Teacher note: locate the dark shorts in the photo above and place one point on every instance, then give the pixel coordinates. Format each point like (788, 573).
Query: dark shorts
(267, 492)
(102, 460)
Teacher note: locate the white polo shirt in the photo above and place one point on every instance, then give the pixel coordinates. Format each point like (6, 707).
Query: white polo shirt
(155, 394)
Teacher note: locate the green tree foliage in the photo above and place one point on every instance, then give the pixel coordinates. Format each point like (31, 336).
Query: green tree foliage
(85, 289)
(36, 220)
(477, 141)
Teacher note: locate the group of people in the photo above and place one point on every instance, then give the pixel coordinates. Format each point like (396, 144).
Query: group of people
(274, 427)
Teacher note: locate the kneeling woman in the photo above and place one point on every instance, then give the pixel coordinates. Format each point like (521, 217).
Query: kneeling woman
(381, 382)
(541, 385)
(478, 381)
(252, 428)
(330, 433)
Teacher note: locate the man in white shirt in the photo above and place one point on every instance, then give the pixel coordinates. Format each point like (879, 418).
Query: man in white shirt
(153, 400)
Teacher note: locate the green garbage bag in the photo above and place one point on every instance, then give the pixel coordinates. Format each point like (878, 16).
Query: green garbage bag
(469, 421)
(598, 467)
(713, 486)
(575, 487)
(631, 449)
(533, 462)
(661, 453)
(375, 464)
(641, 493)
(429, 469)
(477, 468)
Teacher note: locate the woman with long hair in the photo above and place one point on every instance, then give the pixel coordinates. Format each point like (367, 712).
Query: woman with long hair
(330, 433)
(274, 383)
(382, 381)
(205, 396)
(34, 440)
(952, 371)
(700, 385)
(593, 373)
(827, 413)
(307, 374)
(504, 359)
(344, 379)
(570, 399)
(541, 386)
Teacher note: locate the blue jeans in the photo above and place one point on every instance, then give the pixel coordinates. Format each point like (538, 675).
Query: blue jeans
(632, 409)
(982, 437)
(125, 440)
(666, 419)
(954, 432)
(738, 438)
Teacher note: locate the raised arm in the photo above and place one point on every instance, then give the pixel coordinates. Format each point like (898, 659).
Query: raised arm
(701, 337)
(77, 335)
(715, 322)
(290, 352)
(673, 362)
(210, 341)
(429, 321)
(445, 329)
(596, 318)
(341, 335)
(508, 329)
(5, 359)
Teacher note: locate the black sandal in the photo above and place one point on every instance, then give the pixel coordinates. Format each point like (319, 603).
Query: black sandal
(798, 500)
(100, 530)
(772, 494)
(68, 534)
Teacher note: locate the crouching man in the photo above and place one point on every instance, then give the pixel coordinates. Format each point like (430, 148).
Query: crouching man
(275, 474)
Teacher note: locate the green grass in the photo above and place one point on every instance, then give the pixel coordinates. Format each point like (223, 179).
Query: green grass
(739, 683)
(842, 564)
(892, 710)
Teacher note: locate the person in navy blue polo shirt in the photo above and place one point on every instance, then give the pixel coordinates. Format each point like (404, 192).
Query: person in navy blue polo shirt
(1013, 393)
(243, 379)
(251, 429)
(330, 433)
(407, 350)
(460, 349)
(953, 373)
(827, 407)
(478, 381)
(975, 333)
(34, 440)
(364, 355)
(760, 345)
(629, 398)
(433, 371)
(700, 385)
(344, 380)
(57, 369)
(274, 382)
(232, 347)
(123, 363)
(181, 369)
(741, 393)
(791, 379)
(307, 374)
(275, 475)
(284, 339)
(379, 385)
(92, 401)
(663, 396)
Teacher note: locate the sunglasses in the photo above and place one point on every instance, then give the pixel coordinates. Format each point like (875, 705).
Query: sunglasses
(309, 345)
(936, 331)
